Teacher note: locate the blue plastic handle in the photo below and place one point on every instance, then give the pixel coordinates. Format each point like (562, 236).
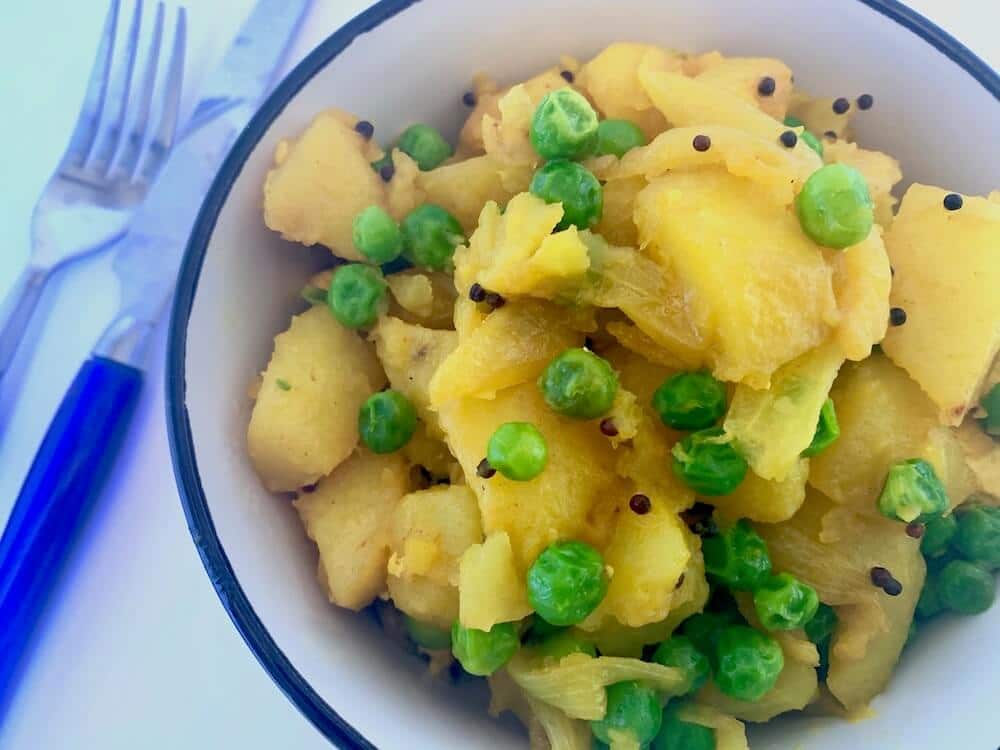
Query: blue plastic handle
(62, 484)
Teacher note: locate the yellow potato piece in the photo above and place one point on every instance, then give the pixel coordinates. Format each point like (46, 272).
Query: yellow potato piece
(982, 455)
(411, 356)
(431, 529)
(319, 371)
(742, 77)
(491, 588)
(555, 505)
(513, 345)
(464, 187)
(320, 182)
(942, 257)
(780, 170)
(758, 290)
(818, 115)
(884, 417)
(611, 82)
(861, 282)
(772, 427)
(766, 500)
(348, 515)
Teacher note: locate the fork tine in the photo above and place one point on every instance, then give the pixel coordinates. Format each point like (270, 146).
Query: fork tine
(118, 98)
(132, 148)
(163, 140)
(85, 130)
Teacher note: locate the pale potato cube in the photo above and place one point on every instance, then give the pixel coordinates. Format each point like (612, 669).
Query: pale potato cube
(947, 277)
(403, 193)
(758, 290)
(349, 515)
(431, 530)
(818, 115)
(321, 181)
(982, 455)
(304, 422)
(491, 588)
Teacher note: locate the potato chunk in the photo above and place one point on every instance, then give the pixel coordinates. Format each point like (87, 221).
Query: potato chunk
(431, 530)
(947, 277)
(320, 182)
(555, 505)
(742, 76)
(464, 187)
(319, 372)
(861, 281)
(759, 290)
(611, 81)
(349, 515)
(490, 586)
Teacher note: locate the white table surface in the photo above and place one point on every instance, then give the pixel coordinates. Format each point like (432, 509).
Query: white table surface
(137, 651)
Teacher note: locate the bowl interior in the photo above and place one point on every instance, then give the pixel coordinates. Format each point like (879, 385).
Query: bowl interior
(929, 112)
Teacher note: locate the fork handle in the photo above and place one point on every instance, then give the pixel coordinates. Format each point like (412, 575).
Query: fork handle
(16, 312)
(64, 480)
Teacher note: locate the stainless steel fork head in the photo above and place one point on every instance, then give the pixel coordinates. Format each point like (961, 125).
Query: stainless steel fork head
(122, 137)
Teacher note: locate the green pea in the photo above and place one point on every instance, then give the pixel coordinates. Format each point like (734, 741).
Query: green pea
(783, 602)
(938, 533)
(539, 630)
(483, 652)
(428, 636)
(704, 629)
(377, 235)
(575, 187)
(690, 400)
(386, 421)
(680, 652)
(737, 557)
(564, 126)
(793, 122)
(912, 491)
(563, 644)
(749, 663)
(425, 145)
(991, 405)
(430, 236)
(518, 451)
(929, 603)
(579, 384)
(618, 137)
(965, 588)
(567, 582)
(707, 462)
(812, 142)
(835, 208)
(822, 624)
(978, 536)
(677, 734)
(357, 295)
(633, 711)
(827, 430)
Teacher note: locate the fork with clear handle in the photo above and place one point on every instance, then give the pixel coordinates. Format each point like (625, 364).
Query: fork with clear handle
(122, 137)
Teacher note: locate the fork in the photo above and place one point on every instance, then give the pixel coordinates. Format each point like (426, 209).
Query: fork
(113, 156)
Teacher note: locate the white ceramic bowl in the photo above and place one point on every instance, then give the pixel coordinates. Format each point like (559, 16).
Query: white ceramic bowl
(936, 110)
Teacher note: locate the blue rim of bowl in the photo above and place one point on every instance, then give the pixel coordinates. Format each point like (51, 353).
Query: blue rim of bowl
(199, 518)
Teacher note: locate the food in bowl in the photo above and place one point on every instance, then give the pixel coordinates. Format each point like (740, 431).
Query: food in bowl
(644, 400)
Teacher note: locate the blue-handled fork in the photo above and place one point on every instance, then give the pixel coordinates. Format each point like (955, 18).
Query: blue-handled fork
(122, 137)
